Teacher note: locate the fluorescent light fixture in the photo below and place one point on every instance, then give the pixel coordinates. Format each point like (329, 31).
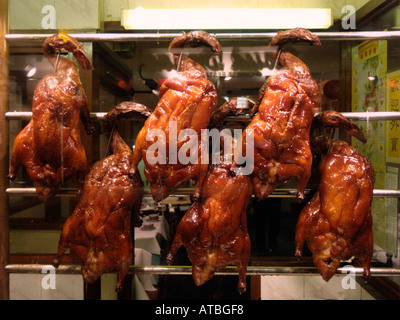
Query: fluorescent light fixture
(220, 19)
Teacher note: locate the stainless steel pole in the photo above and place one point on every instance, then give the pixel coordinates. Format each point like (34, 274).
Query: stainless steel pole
(115, 37)
(371, 116)
(187, 270)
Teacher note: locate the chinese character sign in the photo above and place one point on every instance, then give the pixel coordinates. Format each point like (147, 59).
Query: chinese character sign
(369, 70)
(393, 126)
(369, 63)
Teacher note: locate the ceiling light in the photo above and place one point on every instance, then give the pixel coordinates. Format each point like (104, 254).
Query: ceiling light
(225, 19)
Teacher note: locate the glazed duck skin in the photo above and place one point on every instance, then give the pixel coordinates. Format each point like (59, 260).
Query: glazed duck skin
(337, 223)
(98, 231)
(214, 229)
(50, 145)
(187, 101)
(282, 121)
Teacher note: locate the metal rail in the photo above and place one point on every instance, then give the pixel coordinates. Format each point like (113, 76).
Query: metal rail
(187, 270)
(281, 193)
(367, 116)
(27, 115)
(125, 37)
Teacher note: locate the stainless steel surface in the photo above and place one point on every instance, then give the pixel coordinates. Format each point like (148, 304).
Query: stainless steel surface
(386, 193)
(27, 115)
(187, 270)
(40, 268)
(252, 270)
(32, 192)
(289, 193)
(107, 37)
(383, 115)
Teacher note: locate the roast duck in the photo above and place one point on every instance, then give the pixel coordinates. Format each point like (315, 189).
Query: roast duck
(336, 224)
(283, 114)
(98, 232)
(186, 102)
(50, 147)
(214, 229)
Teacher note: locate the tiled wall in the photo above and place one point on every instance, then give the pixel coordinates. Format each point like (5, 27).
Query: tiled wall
(29, 287)
(309, 288)
(66, 287)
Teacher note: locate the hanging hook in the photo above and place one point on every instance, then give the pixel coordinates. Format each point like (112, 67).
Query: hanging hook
(331, 140)
(109, 139)
(179, 61)
(57, 61)
(277, 58)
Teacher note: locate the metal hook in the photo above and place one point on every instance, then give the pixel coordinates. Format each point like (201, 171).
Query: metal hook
(57, 61)
(109, 139)
(179, 62)
(277, 58)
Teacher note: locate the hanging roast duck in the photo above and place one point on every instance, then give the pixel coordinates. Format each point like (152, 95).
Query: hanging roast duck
(50, 147)
(98, 231)
(336, 224)
(281, 125)
(214, 229)
(186, 103)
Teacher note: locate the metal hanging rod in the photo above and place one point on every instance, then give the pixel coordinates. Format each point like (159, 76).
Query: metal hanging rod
(72, 192)
(187, 270)
(107, 37)
(283, 193)
(27, 115)
(32, 192)
(379, 115)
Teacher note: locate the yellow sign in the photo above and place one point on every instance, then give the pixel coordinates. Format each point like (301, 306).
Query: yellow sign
(393, 126)
(367, 50)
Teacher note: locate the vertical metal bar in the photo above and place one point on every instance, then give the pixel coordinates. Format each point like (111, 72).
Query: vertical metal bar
(4, 145)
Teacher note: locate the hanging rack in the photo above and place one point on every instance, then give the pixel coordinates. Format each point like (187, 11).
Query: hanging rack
(106, 37)
(278, 193)
(186, 270)
(378, 115)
